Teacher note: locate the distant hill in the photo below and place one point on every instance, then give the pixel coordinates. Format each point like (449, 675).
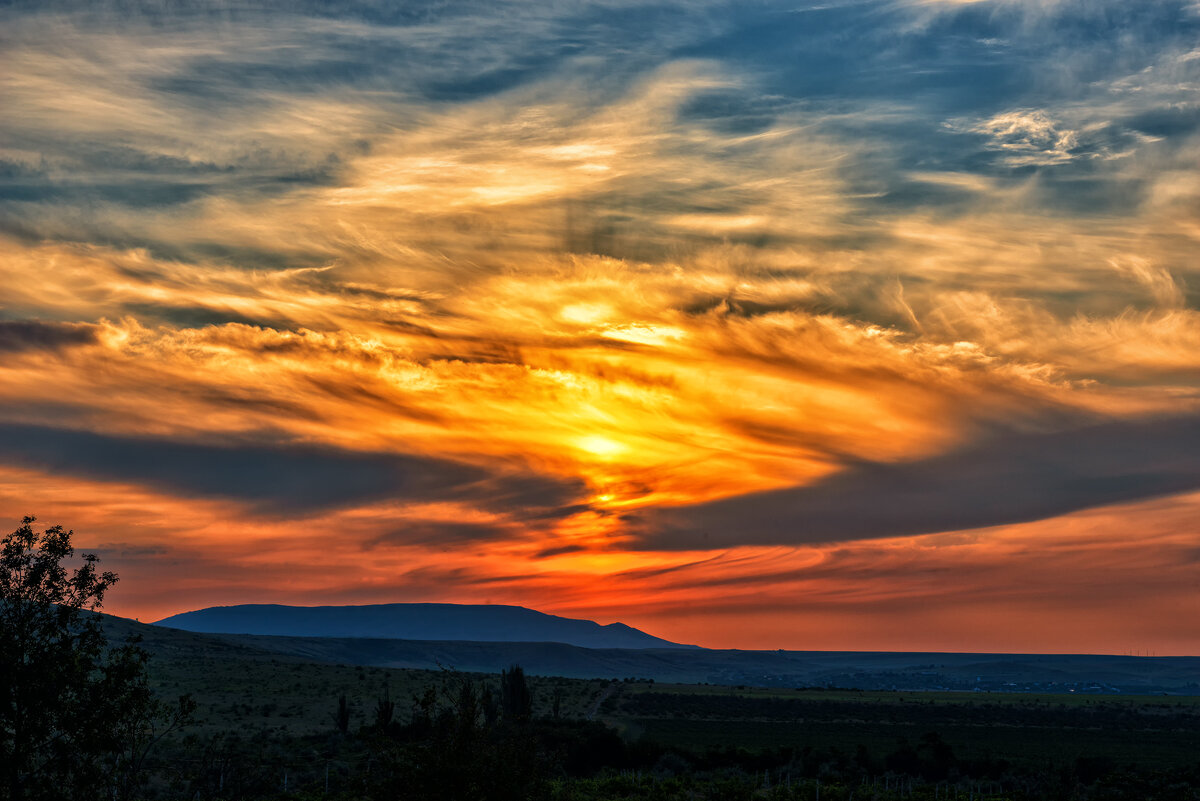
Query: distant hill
(865, 670)
(443, 622)
(1054, 673)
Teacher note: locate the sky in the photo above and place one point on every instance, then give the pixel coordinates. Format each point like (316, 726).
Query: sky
(842, 325)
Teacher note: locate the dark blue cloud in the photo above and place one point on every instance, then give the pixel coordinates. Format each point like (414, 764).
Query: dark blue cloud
(279, 479)
(1007, 479)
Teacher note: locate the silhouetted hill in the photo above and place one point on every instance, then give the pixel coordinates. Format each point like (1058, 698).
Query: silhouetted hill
(454, 622)
(864, 670)
(1080, 673)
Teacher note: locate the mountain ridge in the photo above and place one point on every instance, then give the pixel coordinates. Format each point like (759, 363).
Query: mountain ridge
(865, 670)
(415, 621)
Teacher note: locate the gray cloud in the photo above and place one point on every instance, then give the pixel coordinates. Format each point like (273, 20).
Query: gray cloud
(445, 533)
(19, 335)
(278, 479)
(1058, 87)
(1007, 479)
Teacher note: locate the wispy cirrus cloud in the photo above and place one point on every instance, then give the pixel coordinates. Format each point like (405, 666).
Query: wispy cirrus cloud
(498, 280)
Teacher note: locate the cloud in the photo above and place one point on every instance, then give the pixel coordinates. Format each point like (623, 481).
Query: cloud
(1158, 281)
(440, 533)
(1012, 478)
(21, 335)
(579, 264)
(1028, 137)
(289, 480)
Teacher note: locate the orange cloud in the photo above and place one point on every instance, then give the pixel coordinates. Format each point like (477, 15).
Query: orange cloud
(510, 330)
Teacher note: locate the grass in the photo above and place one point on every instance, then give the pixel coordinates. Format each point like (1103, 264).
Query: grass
(1027, 729)
(298, 699)
(288, 702)
(890, 697)
(1019, 745)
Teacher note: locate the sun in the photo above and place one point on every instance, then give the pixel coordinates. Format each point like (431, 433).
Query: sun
(600, 446)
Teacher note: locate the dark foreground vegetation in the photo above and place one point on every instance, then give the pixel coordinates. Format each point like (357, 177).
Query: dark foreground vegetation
(89, 712)
(466, 738)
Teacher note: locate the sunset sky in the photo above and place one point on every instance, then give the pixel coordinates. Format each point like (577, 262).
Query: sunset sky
(824, 324)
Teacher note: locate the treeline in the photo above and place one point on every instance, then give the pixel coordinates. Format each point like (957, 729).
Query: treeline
(918, 710)
(463, 738)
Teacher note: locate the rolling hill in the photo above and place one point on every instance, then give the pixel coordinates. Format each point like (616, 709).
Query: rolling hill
(1041, 673)
(440, 622)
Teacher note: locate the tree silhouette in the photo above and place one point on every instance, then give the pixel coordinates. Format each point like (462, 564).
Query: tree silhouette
(515, 699)
(455, 750)
(76, 717)
(384, 710)
(341, 718)
(556, 702)
(143, 720)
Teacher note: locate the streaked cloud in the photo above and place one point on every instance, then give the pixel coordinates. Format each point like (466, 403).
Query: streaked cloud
(1012, 478)
(283, 480)
(517, 297)
(18, 335)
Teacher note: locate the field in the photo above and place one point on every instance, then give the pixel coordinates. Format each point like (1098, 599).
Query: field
(265, 720)
(1025, 729)
(270, 695)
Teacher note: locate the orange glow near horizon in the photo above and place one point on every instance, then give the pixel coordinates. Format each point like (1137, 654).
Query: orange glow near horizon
(866, 595)
(635, 337)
